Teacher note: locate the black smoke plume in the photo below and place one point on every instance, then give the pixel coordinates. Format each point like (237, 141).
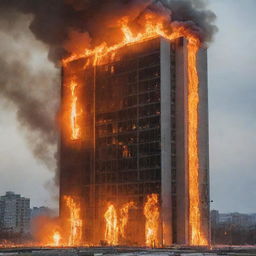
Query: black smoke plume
(53, 20)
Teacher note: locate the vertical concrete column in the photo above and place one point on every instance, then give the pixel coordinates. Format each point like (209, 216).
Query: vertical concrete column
(181, 142)
(166, 199)
(203, 141)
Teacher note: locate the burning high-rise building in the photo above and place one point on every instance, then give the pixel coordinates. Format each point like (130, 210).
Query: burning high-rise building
(134, 147)
(130, 139)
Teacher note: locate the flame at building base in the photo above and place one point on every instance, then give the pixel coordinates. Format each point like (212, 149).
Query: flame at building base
(124, 215)
(151, 212)
(56, 239)
(111, 231)
(75, 222)
(116, 222)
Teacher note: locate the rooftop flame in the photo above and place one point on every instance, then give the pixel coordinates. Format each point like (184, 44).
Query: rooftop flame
(154, 27)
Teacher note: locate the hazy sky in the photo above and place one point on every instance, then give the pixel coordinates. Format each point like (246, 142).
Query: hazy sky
(232, 106)
(232, 101)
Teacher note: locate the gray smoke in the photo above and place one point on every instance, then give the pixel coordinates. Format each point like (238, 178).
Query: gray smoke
(194, 11)
(30, 84)
(51, 26)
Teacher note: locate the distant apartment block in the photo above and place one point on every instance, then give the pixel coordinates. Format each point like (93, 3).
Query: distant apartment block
(14, 213)
(235, 218)
(42, 211)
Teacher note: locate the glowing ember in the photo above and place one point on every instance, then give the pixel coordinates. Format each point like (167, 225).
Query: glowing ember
(56, 238)
(111, 231)
(151, 212)
(124, 211)
(75, 129)
(75, 221)
(126, 153)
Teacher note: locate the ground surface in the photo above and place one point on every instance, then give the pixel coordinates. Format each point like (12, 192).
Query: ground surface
(228, 251)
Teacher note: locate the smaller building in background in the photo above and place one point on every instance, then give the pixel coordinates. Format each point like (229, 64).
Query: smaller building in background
(42, 211)
(14, 213)
(215, 217)
(233, 228)
(234, 218)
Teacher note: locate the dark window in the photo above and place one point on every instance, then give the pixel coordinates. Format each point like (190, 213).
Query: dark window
(149, 85)
(130, 101)
(149, 73)
(150, 162)
(149, 136)
(150, 175)
(148, 123)
(149, 97)
(149, 60)
(150, 110)
(149, 148)
(129, 138)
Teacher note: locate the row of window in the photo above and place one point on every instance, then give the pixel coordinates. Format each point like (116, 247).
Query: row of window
(116, 151)
(114, 165)
(142, 86)
(145, 162)
(127, 151)
(124, 65)
(130, 77)
(147, 136)
(127, 126)
(129, 114)
(146, 98)
(128, 189)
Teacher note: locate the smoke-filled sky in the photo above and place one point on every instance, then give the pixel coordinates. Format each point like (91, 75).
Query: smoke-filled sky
(232, 101)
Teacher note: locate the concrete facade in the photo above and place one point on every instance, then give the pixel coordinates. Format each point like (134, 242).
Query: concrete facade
(203, 141)
(166, 175)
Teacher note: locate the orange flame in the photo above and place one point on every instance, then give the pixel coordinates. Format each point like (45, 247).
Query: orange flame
(124, 217)
(45, 230)
(151, 212)
(75, 221)
(56, 238)
(75, 129)
(111, 231)
(196, 236)
(152, 28)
